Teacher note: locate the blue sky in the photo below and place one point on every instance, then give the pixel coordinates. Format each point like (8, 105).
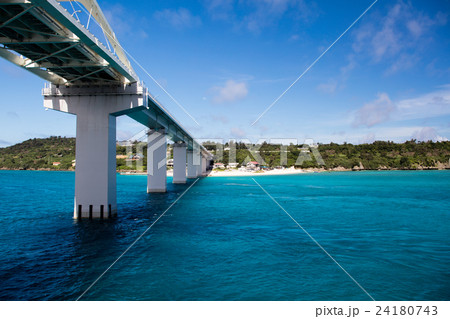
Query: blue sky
(226, 61)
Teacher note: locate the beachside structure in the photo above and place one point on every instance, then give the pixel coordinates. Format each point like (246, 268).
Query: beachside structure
(232, 165)
(124, 143)
(253, 165)
(219, 165)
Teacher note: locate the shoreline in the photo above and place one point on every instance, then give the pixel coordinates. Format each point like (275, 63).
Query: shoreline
(281, 172)
(294, 171)
(237, 173)
(274, 172)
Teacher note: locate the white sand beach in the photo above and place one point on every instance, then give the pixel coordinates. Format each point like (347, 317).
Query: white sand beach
(287, 171)
(235, 172)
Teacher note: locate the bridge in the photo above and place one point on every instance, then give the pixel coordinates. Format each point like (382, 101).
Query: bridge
(96, 82)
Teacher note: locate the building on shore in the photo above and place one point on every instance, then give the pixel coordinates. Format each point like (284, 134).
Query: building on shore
(219, 165)
(253, 165)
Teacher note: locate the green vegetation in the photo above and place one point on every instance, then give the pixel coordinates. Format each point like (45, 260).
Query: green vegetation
(46, 153)
(39, 154)
(378, 155)
(388, 155)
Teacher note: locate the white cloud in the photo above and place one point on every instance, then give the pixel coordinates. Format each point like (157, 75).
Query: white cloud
(294, 37)
(264, 13)
(359, 136)
(329, 87)
(123, 135)
(4, 143)
(220, 118)
(367, 139)
(415, 28)
(237, 132)
(403, 62)
(397, 134)
(398, 37)
(349, 66)
(113, 16)
(374, 112)
(432, 104)
(220, 9)
(232, 91)
(118, 18)
(263, 129)
(255, 15)
(429, 105)
(12, 115)
(436, 69)
(181, 18)
(428, 134)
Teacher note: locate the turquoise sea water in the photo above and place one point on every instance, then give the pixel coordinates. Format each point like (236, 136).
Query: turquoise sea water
(226, 239)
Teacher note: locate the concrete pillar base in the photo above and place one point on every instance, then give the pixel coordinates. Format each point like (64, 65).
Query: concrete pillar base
(94, 211)
(156, 190)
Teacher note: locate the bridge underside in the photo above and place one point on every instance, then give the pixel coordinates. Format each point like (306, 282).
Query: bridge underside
(60, 50)
(96, 84)
(96, 109)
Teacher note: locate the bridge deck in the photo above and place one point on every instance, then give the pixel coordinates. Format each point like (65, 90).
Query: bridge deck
(42, 36)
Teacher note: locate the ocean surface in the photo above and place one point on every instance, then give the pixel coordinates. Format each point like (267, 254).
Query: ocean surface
(226, 239)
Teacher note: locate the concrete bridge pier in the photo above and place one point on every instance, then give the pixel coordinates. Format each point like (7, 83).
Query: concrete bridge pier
(179, 163)
(204, 164)
(192, 158)
(156, 162)
(95, 173)
(96, 108)
(198, 165)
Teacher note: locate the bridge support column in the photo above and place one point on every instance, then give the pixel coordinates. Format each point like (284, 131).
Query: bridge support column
(95, 154)
(191, 167)
(199, 170)
(96, 108)
(198, 164)
(179, 163)
(203, 169)
(156, 162)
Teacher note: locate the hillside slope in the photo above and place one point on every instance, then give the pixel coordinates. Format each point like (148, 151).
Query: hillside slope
(39, 153)
(58, 153)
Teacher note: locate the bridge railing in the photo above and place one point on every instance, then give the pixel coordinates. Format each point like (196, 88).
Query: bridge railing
(89, 14)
